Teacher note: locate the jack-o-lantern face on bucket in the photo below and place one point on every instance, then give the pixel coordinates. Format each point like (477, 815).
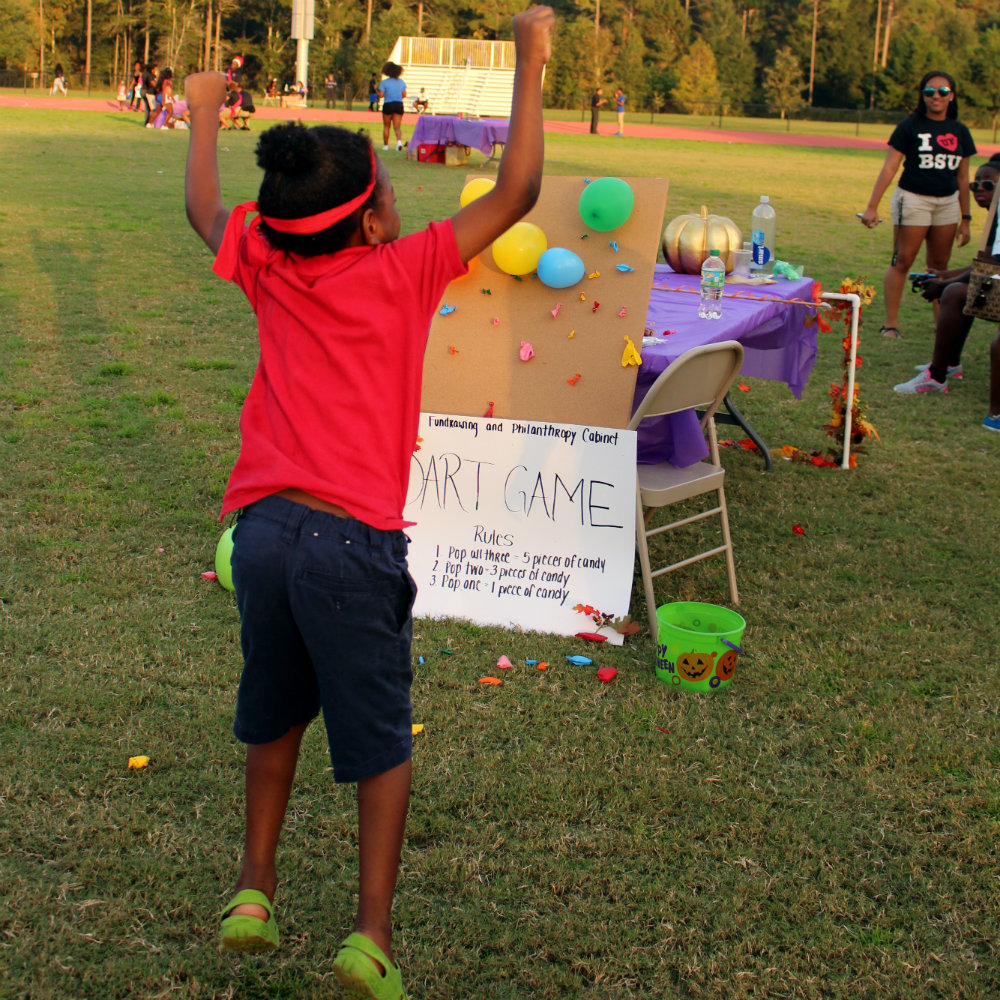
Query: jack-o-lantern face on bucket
(726, 666)
(695, 666)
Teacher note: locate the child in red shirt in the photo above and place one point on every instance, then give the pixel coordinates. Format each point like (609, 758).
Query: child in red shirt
(328, 427)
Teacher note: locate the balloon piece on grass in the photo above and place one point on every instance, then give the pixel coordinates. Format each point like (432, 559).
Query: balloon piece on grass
(138, 763)
(223, 560)
(476, 188)
(607, 674)
(504, 662)
(560, 268)
(580, 661)
(606, 204)
(516, 251)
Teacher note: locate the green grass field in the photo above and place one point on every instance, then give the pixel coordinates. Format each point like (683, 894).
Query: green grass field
(827, 827)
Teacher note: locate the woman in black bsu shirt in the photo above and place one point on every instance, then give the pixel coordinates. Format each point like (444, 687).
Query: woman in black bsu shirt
(931, 202)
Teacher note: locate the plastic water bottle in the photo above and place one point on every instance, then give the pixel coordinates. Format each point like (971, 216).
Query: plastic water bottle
(762, 226)
(713, 281)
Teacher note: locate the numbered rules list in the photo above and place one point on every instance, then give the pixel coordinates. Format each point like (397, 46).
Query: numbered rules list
(518, 521)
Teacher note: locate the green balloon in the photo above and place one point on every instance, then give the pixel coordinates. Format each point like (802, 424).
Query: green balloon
(223, 560)
(606, 203)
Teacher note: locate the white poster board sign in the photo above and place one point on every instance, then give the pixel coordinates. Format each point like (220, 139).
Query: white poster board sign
(518, 521)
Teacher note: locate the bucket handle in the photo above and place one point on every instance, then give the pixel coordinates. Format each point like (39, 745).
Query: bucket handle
(732, 645)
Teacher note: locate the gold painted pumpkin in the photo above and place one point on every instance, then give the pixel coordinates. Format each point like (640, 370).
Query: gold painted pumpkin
(687, 240)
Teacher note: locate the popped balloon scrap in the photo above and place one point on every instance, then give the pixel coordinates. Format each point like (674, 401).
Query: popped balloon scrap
(607, 674)
(555, 312)
(447, 310)
(596, 306)
(495, 681)
(138, 763)
(576, 378)
(630, 356)
(614, 245)
(622, 313)
(527, 352)
(489, 410)
(624, 268)
(504, 663)
(580, 661)
(593, 274)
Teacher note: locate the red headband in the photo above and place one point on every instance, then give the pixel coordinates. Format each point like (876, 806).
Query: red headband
(323, 220)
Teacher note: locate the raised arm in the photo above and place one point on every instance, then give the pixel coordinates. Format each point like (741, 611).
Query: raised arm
(519, 176)
(893, 159)
(202, 194)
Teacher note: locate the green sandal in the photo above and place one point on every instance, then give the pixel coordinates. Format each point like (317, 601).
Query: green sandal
(356, 970)
(892, 332)
(242, 932)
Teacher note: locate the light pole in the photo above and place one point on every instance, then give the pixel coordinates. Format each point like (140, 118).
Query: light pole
(303, 12)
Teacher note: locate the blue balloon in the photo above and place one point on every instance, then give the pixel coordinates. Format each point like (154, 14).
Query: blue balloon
(559, 268)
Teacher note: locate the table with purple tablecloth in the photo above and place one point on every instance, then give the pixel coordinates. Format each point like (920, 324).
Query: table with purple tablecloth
(777, 345)
(482, 133)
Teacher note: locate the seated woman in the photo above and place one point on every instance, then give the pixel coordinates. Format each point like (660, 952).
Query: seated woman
(420, 102)
(176, 114)
(950, 289)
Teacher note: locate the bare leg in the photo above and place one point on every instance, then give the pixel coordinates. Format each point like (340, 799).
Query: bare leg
(952, 327)
(397, 121)
(907, 242)
(383, 801)
(995, 375)
(270, 769)
(939, 244)
(386, 121)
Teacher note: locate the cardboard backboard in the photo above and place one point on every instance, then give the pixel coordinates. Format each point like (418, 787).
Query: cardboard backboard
(473, 362)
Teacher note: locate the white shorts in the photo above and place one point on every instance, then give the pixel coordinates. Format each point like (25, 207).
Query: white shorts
(909, 209)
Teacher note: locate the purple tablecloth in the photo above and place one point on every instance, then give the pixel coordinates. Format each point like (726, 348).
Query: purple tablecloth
(777, 345)
(481, 133)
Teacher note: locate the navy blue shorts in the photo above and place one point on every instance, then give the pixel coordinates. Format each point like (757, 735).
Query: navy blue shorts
(325, 607)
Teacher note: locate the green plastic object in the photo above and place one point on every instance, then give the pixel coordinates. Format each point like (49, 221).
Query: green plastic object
(224, 560)
(606, 203)
(698, 645)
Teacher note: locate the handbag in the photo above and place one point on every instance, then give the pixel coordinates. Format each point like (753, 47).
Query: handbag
(983, 298)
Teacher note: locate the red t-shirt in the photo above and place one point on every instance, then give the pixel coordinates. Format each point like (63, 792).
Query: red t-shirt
(334, 405)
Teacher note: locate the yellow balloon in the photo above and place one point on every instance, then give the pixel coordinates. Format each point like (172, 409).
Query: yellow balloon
(517, 250)
(476, 188)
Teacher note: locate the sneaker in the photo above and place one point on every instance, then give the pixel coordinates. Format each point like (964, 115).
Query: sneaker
(385, 149)
(992, 423)
(181, 125)
(921, 383)
(954, 371)
(399, 145)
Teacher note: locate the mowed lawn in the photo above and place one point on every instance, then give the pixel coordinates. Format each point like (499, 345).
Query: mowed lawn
(826, 827)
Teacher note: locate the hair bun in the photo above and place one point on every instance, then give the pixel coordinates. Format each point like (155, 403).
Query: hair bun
(288, 149)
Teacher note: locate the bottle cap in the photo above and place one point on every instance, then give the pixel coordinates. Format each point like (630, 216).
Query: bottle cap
(764, 200)
(713, 253)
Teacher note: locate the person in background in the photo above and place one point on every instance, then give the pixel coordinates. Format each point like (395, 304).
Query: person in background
(393, 92)
(150, 78)
(620, 109)
(58, 82)
(420, 102)
(330, 89)
(931, 204)
(950, 289)
(135, 94)
(372, 93)
(597, 101)
(235, 72)
(319, 553)
(122, 96)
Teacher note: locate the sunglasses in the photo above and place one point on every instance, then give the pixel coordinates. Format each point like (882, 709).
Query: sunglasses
(982, 185)
(940, 91)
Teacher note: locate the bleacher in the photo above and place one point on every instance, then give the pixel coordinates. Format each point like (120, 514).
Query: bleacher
(459, 75)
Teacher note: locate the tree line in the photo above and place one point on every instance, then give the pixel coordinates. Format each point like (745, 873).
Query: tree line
(691, 54)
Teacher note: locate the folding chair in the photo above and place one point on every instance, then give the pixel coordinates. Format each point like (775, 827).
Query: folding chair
(699, 378)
